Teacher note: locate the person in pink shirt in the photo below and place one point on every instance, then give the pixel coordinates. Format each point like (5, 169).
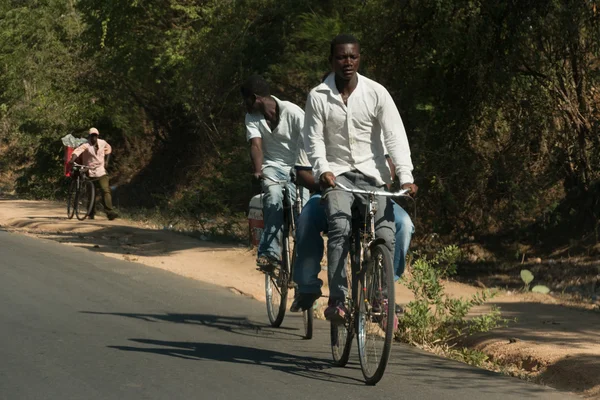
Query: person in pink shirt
(95, 155)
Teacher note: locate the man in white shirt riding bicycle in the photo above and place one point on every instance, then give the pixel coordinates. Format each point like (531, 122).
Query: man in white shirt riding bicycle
(95, 154)
(348, 120)
(273, 129)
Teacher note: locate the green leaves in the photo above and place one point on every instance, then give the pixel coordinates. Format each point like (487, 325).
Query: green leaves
(540, 289)
(435, 319)
(526, 276)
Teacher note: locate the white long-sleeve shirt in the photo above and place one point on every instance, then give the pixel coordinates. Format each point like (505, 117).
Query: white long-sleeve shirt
(341, 138)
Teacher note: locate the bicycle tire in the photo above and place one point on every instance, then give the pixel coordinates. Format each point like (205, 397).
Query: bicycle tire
(85, 199)
(308, 317)
(72, 199)
(372, 325)
(343, 335)
(278, 280)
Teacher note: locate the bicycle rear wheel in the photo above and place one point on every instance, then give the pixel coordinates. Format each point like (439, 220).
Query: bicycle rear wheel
(85, 200)
(376, 315)
(276, 286)
(71, 199)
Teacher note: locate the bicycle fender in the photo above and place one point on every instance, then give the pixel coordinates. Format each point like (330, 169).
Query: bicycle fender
(376, 242)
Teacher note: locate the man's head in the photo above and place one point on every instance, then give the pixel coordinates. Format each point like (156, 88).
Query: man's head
(344, 56)
(93, 136)
(254, 90)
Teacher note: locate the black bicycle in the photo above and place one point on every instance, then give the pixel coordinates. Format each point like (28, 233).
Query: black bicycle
(82, 194)
(278, 282)
(371, 299)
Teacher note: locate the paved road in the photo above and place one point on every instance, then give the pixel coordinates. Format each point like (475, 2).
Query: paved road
(77, 325)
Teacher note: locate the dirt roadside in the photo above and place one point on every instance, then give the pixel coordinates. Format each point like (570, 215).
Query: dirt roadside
(556, 343)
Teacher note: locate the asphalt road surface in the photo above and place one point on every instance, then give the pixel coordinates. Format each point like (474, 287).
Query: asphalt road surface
(78, 325)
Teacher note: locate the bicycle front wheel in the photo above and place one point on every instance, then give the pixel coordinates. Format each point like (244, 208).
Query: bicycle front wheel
(376, 315)
(71, 199)
(85, 200)
(342, 335)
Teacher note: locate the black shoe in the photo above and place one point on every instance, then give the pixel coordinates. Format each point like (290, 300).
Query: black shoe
(112, 215)
(91, 216)
(304, 301)
(267, 263)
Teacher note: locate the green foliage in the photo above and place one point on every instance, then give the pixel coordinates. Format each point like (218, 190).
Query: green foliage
(527, 277)
(540, 289)
(500, 99)
(435, 319)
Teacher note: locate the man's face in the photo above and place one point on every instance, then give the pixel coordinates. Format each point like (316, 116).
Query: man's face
(345, 60)
(93, 139)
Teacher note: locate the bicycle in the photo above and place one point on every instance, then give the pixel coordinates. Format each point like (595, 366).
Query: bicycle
(278, 282)
(82, 194)
(370, 275)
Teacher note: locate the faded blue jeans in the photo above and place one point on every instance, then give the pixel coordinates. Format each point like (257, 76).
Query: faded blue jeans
(309, 243)
(272, 201)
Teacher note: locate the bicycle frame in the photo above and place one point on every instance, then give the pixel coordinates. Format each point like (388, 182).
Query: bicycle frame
(289, 221)
(366, 233)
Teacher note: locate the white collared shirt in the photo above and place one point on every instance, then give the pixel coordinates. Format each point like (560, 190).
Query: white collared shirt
(279, 146)
(340, 138)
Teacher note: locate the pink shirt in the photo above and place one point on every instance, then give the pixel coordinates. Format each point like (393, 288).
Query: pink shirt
(94, 158)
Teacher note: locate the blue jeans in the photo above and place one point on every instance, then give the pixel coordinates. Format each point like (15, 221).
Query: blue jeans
(309, 243)
(272, 200)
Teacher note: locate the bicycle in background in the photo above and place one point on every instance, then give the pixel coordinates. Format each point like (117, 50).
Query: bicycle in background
(278, 282)
(82, 194)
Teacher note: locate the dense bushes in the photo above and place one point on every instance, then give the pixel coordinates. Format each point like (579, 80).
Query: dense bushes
(500, 98)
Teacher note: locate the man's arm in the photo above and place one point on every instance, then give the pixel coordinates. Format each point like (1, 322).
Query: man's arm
(304, 177)
(78, 151)
(314, 142)
(256, 154)
(394, 137)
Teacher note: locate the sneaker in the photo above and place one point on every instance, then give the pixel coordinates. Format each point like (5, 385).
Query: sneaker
(112, 215)
(91, 216)
(336, 311)
(267, 263)
(304, 301)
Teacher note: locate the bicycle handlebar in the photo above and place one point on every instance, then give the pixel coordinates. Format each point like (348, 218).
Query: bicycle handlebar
(400, 193)
(280, 182)
(80, 166)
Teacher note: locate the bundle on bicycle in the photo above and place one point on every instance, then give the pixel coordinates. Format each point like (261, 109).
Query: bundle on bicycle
(370, 301)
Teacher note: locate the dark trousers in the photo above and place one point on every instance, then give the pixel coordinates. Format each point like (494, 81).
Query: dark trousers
(103, 183)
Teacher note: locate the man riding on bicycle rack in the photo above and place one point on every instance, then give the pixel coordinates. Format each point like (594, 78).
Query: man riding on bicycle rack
(273, 129)
(95, 155)
(347, 116)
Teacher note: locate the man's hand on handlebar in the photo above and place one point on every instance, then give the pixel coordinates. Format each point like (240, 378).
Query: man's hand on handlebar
(413, 189)
(257, 175)
(327, 180)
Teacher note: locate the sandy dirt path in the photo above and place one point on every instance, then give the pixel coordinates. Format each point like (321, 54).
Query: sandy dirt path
(558, 343)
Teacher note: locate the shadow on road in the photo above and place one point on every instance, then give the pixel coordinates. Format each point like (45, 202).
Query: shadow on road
(237, 325)
(308, 367)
